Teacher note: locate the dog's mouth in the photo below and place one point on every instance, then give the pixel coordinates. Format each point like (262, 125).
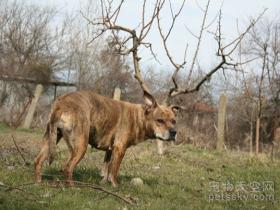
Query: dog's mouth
(165, 139)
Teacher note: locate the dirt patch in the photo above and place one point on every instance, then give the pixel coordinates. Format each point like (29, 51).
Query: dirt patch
(28, 143)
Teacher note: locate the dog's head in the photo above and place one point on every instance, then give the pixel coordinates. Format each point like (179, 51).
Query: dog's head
(160, 119)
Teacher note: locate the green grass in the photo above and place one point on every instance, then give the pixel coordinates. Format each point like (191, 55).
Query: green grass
(4, 128)
(180, 179)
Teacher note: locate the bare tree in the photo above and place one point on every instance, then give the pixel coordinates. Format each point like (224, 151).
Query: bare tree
(108, 22)
(135, 38)
(263, 47)
(31, 48)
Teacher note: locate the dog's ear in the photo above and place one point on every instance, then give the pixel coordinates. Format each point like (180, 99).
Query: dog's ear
(175, 109)
(150, 101)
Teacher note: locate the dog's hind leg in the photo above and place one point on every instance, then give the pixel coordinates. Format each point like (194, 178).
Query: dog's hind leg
(78, 153)
(45, 151)
(68, 139)
(41, 157)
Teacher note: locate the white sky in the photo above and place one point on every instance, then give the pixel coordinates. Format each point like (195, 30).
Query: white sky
(191, 16)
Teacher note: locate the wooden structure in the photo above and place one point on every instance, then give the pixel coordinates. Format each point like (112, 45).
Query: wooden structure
(221, 121)
(38, 91)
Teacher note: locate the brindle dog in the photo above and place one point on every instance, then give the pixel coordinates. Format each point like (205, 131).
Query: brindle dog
(85, 117)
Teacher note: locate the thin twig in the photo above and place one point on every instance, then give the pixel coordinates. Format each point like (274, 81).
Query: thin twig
(21, 155)
(128, 200)
(202, 28)
(78, 184)
(25, 193)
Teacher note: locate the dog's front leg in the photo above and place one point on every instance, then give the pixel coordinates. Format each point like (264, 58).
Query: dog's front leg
(114, 166)
(105, 168)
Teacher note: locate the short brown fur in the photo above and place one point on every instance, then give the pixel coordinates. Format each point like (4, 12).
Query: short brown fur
(85, 117)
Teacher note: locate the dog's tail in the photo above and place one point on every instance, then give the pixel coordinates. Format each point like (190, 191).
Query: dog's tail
(51, 136)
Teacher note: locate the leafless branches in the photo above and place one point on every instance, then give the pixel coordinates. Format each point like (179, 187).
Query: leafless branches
(199, 37)
(134, 38)
(26, 40)
(32, 48)
(165, 38)
(224, 52)
(108, 22)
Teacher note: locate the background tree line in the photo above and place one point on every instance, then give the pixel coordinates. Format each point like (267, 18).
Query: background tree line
(40, 43)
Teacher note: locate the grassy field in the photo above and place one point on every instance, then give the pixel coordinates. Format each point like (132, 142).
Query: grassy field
(184, 178)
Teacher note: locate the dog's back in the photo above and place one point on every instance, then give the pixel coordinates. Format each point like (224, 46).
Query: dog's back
(103, 117)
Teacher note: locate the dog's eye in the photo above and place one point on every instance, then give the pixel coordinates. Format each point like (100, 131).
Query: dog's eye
(173, 122)
(161, 121)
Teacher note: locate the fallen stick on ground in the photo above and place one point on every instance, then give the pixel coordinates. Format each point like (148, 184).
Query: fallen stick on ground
(128, 200)
(56, 184)
(18, 149)
(25, 192)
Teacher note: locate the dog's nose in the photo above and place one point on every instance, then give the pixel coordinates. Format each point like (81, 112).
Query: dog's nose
(173, 133)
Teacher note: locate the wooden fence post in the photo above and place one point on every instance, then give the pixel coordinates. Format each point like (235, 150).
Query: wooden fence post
(160, 147)
(221, 121)
(258, 135)
(117, 94)
(29, 117)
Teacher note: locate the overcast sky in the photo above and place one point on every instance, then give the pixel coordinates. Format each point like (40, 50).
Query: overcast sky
(191, 17)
